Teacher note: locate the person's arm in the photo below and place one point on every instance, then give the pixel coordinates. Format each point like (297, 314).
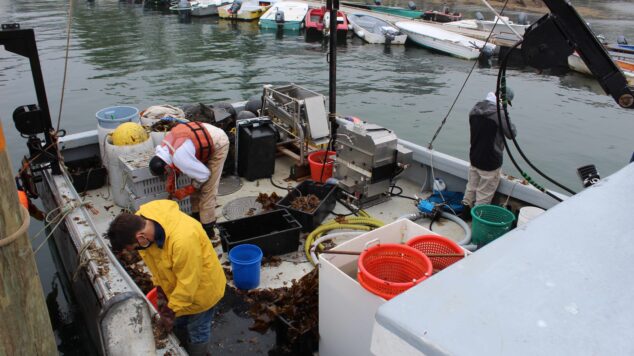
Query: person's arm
(185, 160)
(187, 265)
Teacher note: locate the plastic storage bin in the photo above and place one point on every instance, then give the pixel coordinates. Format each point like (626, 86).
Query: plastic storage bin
(257, 141)
(325, 193)
(275, 232)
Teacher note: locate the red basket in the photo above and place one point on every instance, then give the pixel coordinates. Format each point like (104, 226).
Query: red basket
(390, 269)
(435, 244)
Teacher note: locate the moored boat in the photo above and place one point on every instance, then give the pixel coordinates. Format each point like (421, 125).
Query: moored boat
(392, 10)
(247, 11)
(317, 22)
(200, 8)
(375, 30)
(441, 16)
(442, 40)
(287, 15)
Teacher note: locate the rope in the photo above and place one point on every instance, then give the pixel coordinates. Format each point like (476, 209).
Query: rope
(26, 220)
(57, 220)
(83, 260)
(444, 120)
(68, 28)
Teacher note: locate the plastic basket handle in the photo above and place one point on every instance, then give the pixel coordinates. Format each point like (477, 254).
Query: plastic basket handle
(367, 244)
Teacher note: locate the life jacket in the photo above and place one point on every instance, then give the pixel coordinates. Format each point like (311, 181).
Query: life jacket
(194, 131)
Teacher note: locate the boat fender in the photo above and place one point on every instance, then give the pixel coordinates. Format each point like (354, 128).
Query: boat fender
(522, 18)
(254, 104)
(279, 16)
(361, 34)
(411, 5)
(235, 7)
(244, 114)
(479, 16)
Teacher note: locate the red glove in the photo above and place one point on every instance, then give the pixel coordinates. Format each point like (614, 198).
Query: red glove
(184, 192)
(170, 185)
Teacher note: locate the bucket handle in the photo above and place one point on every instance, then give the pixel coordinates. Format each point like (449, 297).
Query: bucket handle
(367, 244)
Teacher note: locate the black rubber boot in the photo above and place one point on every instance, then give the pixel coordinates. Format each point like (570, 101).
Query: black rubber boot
(466, 212)
(209, 229)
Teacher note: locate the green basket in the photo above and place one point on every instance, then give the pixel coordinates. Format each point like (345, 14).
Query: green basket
(489, 222)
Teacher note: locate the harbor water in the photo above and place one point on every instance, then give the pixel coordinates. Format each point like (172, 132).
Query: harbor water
(123, 53)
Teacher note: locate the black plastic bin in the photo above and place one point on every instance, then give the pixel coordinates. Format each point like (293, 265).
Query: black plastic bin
(275, 232)
(325, 193)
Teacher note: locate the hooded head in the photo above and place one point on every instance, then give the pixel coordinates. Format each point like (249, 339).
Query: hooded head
(509, 96)
(157, 166)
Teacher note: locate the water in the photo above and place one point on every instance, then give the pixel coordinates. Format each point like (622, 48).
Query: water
(124, 54)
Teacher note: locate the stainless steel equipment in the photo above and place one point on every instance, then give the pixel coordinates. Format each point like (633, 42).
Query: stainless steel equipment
(368, 159)
(299, 113)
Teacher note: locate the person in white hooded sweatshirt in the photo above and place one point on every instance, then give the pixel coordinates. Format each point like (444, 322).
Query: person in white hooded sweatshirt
(198, 150)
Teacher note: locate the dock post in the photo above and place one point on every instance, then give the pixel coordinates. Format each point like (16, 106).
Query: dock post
(25, 326)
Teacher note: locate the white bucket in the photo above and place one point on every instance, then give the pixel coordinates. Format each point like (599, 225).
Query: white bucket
(157, 137)
(527, 214)
(116, 175)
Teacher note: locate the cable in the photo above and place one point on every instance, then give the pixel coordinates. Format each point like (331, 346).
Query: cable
(444, 120)
(501, 90)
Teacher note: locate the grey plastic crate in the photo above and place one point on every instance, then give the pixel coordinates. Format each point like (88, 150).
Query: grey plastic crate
(140, 180)
(136, 201)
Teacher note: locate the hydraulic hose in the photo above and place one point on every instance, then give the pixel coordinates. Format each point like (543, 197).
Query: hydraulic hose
(334, 235)
(364, 223)
(467, 231)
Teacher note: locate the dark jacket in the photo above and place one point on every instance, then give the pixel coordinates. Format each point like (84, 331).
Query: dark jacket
(487, 142)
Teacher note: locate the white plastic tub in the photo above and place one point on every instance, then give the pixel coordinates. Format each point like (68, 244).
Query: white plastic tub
(346, 309)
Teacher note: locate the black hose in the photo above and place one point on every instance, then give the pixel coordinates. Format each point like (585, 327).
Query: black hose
(501, 78)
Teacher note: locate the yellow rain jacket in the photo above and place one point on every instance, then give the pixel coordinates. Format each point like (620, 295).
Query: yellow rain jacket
(186, 267)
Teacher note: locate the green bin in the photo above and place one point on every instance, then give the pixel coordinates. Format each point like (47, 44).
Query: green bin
(489, 222)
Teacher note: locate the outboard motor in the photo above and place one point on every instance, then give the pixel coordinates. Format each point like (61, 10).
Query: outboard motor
(235, 7)
(411, 5)
(620, 39)
(588, 175)
(484, 60)
(522, 18)
(479, 16)
(377, 2)
(389, 36)
(279, 16)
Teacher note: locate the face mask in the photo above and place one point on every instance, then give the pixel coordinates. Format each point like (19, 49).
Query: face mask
(139, 247)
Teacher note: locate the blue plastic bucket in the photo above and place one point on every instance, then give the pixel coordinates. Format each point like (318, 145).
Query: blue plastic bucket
(245, 263)
(110, 118)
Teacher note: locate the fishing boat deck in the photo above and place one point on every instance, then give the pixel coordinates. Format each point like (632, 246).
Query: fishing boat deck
(293, 265)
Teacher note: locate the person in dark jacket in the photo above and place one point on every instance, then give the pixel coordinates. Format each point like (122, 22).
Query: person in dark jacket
(487, 147)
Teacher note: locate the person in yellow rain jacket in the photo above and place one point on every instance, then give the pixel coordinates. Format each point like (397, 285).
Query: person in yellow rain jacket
(183, 263)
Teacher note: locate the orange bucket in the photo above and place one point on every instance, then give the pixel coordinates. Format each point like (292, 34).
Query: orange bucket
(320, 172)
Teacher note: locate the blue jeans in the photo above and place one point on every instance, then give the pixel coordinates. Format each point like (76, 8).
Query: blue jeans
(197, 326)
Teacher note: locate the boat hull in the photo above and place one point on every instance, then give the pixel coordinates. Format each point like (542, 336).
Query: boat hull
(443, 41)
(286, 25)
(366, 34)
(243, 14)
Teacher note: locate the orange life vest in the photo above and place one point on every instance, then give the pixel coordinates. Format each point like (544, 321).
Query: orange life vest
(194, 131)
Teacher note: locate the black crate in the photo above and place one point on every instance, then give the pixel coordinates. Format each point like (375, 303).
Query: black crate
(87, 174)
(325, 193)
(275, 232)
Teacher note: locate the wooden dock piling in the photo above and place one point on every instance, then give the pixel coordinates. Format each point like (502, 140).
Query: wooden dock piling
(25, 327)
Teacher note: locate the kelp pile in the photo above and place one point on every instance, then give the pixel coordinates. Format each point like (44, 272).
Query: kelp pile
(291, 310)
(307, 203)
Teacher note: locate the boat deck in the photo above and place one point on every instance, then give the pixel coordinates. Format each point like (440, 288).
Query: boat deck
(293, 265)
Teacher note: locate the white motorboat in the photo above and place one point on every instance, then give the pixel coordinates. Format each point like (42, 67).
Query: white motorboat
(375, 30)
(431, 36)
